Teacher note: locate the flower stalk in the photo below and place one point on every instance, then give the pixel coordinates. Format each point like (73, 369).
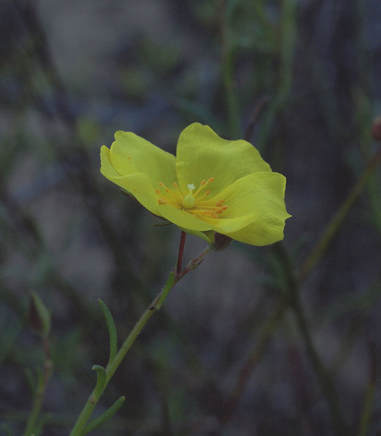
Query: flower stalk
(104, 375)
(179, 265)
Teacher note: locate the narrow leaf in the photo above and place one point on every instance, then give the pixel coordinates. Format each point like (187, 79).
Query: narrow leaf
(39, 315)
(113, 335)
(101, 376)
(109, 413)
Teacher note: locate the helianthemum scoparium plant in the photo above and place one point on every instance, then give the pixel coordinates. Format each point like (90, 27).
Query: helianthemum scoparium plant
(212, 185)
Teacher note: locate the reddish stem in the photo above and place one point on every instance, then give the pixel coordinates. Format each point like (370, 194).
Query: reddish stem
(179, 266)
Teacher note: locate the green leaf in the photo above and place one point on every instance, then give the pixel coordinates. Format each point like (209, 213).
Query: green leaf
(109, 413)
(101, 377)
(113, 335)
(39, 315)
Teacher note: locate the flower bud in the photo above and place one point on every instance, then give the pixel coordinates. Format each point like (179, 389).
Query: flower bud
(221, 241)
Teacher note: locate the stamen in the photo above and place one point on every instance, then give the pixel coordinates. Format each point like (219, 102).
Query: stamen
(194, 202)
(204, 183)
(206, 193)
(169, 196)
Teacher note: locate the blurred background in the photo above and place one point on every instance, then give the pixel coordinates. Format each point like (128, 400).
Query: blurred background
(280, 340)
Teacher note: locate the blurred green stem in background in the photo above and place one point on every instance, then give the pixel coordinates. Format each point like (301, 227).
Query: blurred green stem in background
(291, 298)
(370, 392)
(104, 375)
(334, 225)
(367, 410)
(323, 376)
(226, 11)
(286, 48)
(39, 320)
(43, 379)
(270, 326)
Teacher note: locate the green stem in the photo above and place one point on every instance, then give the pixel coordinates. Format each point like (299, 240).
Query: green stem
(227, 73)
(105, 416)
(35, 412)
(322, 374)
(287, 39)
(114, 364)
(87, 411)
(334, 225)
(264, 335)
(370, 393)
(367, 410)
(40, 392)
(312, 260)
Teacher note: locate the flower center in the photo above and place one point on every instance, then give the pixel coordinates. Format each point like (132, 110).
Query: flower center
(189, 200)
(195, 201)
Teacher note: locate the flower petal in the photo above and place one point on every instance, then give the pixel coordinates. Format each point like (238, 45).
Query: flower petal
(140, 186)
(260, 233)
(256, 210)
(137, 184)
(132, 154)
(182, 218)
(106, 167)
(202, 154)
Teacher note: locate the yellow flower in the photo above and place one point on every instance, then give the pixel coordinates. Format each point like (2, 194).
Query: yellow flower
(212, 185)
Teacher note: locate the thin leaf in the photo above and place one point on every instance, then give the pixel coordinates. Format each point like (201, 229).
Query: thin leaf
(101, 377)
(109, 413)
(39, 315)
(113, 335)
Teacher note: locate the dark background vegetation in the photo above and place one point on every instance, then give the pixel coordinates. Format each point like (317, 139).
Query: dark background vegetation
(235, 351)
